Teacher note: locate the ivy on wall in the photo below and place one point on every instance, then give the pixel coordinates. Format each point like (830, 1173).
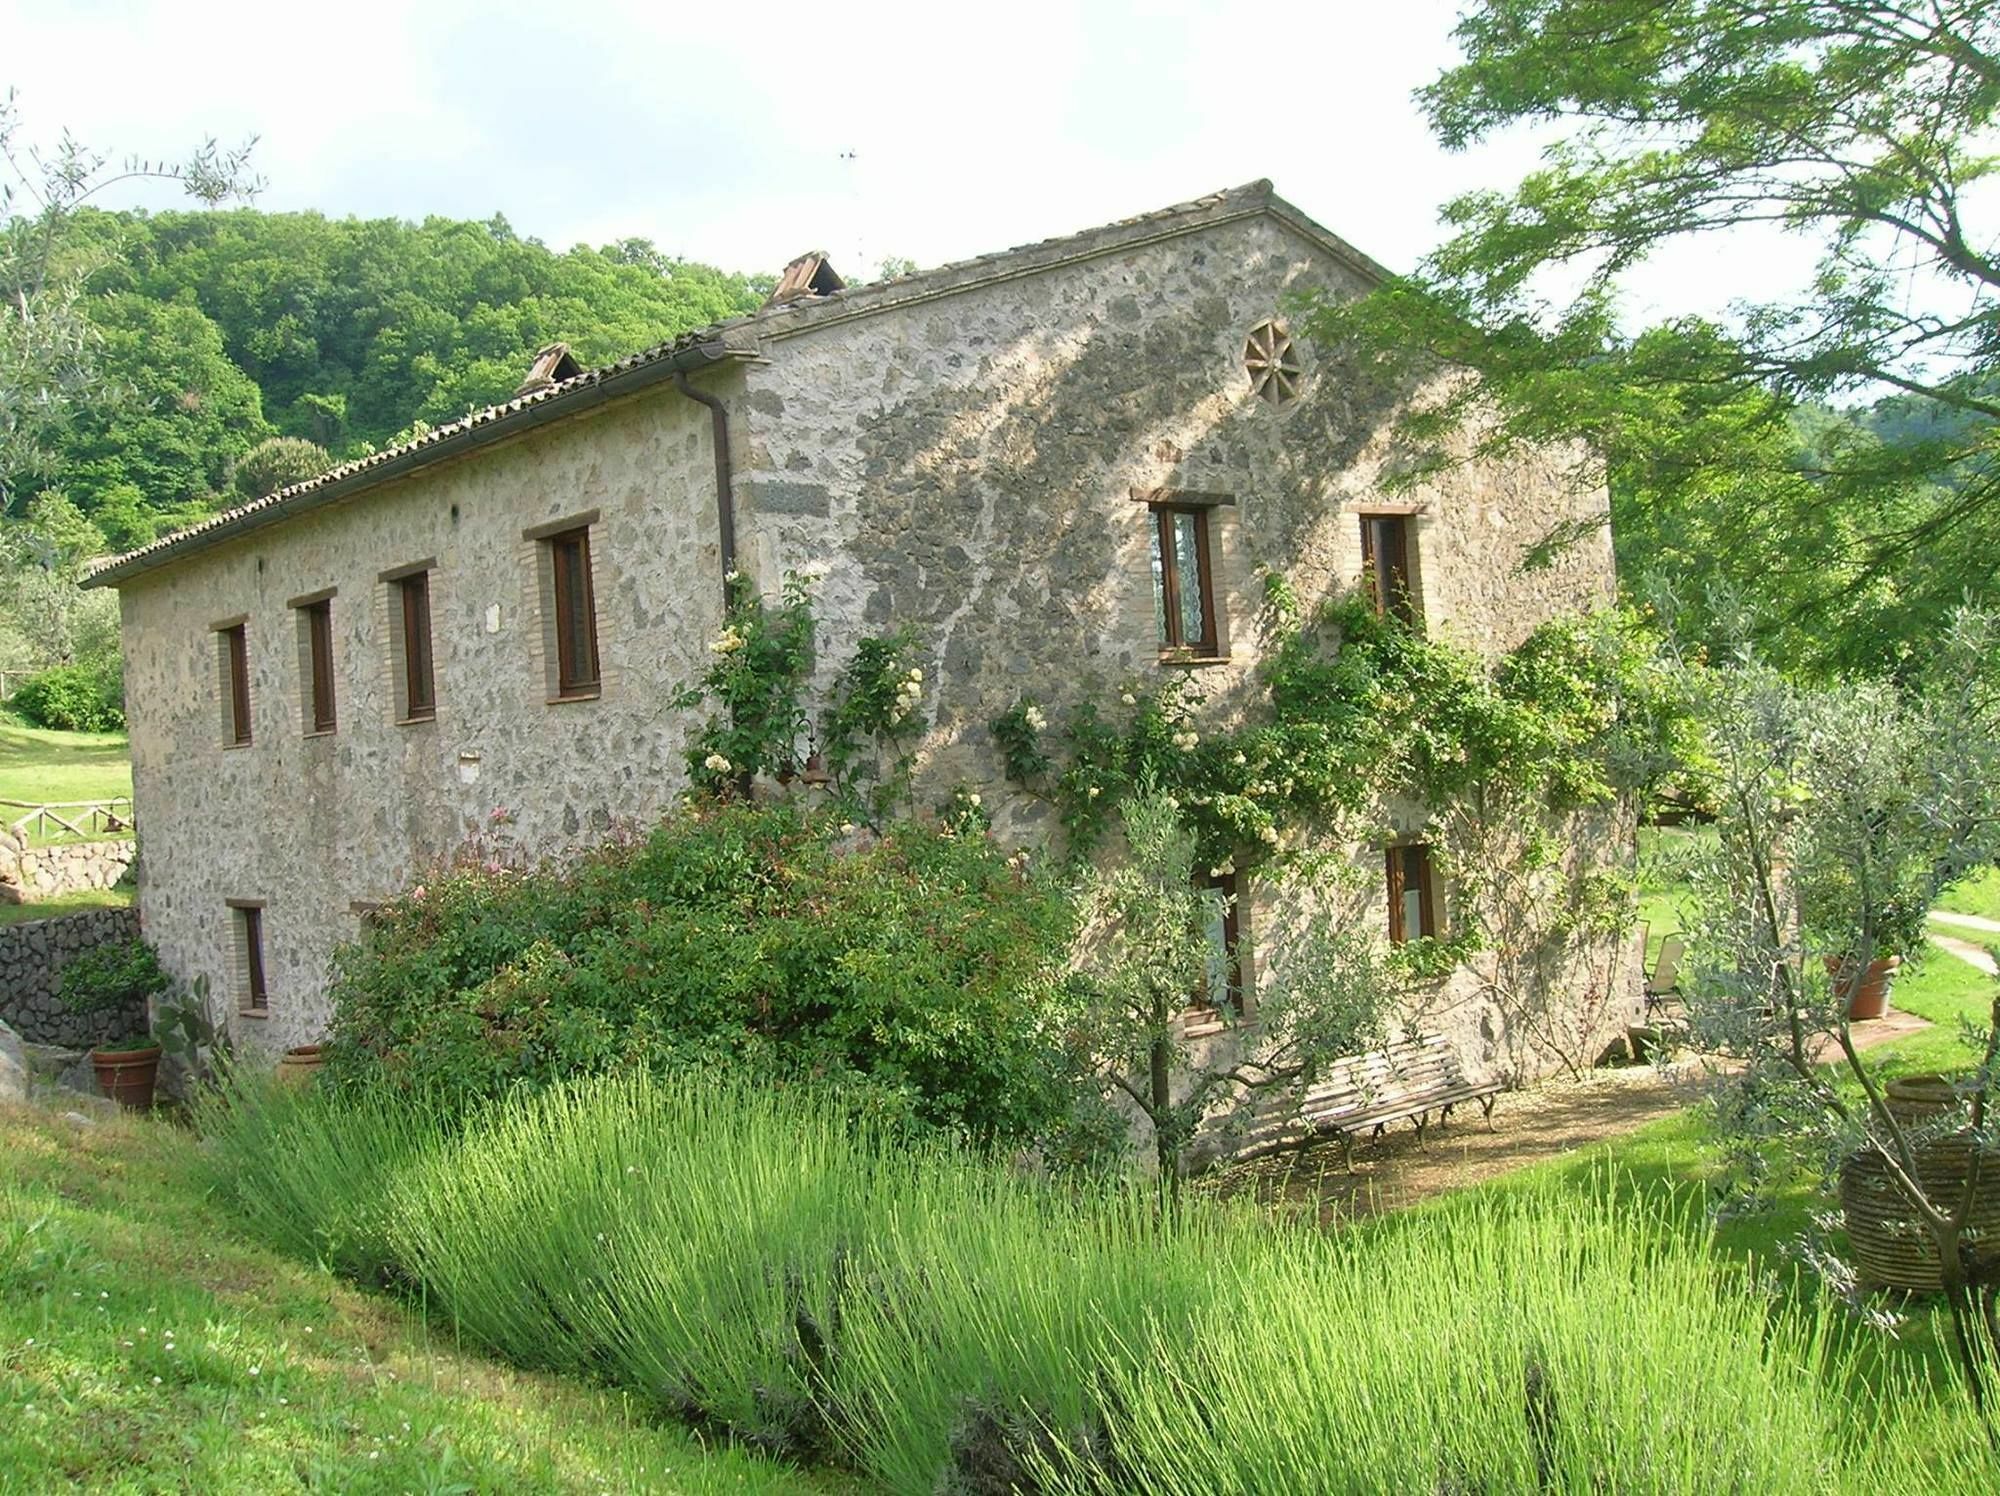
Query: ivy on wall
(1357, 707)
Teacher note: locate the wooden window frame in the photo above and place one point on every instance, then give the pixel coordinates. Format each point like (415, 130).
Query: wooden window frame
(234, 642)
(1204, 1013)
(321, 708)
(1395, 859)
(571, 611)
(1380, 566)
(1173, 646)
(248, 917)
(419, 677)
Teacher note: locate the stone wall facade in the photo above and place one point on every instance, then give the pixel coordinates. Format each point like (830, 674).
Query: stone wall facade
(975, 467)
(970, 453)
(28, 874)
(32, 956)
(314, 828)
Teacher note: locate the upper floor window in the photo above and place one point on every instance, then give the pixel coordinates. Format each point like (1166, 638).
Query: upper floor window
(316, 661)
(416, 687)
(233, 666)
(1412, 901)
(1183, 581)
(1386, 564)
(570, 611)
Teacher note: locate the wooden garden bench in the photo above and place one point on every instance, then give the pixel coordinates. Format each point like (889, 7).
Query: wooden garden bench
(1408, 1081)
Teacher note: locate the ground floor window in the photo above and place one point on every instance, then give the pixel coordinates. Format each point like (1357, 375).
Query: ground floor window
(1412, 902)
(1222, 915)
(253, 997)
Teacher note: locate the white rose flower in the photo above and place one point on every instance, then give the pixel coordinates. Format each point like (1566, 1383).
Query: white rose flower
(715, 763)
(1034, 718)
(1129, 699)
(972, 800)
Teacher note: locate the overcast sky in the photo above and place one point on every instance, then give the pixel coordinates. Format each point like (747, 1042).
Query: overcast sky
(743, 134)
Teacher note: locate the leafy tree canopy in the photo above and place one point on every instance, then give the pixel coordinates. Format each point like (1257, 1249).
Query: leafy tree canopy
(1861, 129)
(215, 331)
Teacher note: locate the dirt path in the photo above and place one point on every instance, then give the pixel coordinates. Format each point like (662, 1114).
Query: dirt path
(1546, 1121)
(1959, 942)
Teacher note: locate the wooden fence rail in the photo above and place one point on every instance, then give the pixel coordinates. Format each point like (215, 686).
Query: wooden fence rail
(78, 820)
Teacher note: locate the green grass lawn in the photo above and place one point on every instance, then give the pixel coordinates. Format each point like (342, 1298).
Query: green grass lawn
(69, 903)
(145, 1347)
(1663, 856)
(42, 766)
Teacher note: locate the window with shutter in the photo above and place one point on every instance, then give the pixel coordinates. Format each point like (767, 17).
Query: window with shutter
(577, 671)
(253, 996)
(1183, 581)
(235, 651)
(1385, 564)
(318, 620)
(419, 688)
(1223, 987)
(1412, 903)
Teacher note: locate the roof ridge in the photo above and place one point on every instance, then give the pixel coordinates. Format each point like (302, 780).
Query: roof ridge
(712, 343)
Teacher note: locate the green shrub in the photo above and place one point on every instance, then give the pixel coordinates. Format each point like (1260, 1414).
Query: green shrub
(277, 462)
(908, 972)
(73, 698)
(742, 1257)
(109, 976)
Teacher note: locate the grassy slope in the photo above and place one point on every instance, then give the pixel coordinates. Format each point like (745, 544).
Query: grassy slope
(43, 767)
(144, 1347)
(39, 765)
(1979, 894)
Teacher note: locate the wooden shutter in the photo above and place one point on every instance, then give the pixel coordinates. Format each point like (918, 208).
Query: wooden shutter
(576, 614)
(1385, 563)
(236, 644)
(1409, 867)
(319, 628)
(419, 688)
(257, 997)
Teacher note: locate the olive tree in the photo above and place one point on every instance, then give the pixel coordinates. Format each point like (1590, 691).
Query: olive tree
(1151, 950)
(1842, 815)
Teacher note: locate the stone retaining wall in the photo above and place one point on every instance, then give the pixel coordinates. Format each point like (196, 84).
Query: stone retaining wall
(32, 953)
(31, 873)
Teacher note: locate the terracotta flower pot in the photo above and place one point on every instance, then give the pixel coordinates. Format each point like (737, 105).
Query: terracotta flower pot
(1871, 998)
(127, 1076)
(300, 1064)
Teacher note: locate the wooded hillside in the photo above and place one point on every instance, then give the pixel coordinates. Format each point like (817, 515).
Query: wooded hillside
(221, 329)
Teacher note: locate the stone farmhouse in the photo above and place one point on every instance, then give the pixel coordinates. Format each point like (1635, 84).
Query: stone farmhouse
(1063, 463)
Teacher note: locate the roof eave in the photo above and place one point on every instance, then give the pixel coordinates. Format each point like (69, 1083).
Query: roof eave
(460, 443)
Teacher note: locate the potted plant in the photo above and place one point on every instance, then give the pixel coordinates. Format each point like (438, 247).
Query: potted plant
(1898, 927)
(108, 979)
